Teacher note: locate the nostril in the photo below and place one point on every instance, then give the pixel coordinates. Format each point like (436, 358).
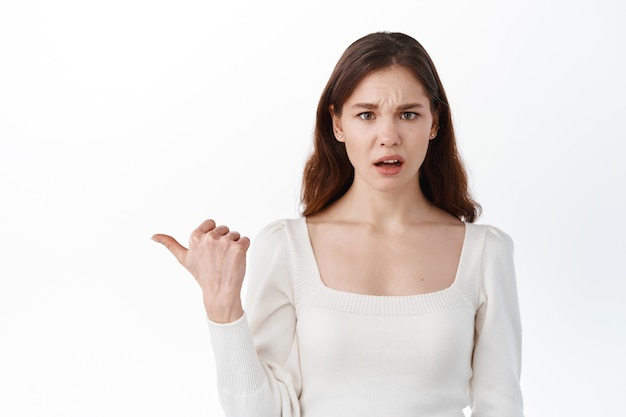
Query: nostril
(390, 141)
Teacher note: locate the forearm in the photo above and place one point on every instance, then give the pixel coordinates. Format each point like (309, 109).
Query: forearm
(244, 385)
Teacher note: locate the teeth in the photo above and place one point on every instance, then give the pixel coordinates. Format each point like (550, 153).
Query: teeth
(391, 161)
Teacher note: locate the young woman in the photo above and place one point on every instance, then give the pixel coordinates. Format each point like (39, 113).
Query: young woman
(384, 298)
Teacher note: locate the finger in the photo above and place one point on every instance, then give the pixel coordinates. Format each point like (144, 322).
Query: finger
(244, 242)
(205, 227)
(220, 230)
(233, 235)
(178, 250)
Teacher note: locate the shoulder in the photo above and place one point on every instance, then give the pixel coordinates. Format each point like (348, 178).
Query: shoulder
(279, 234)
(493, 238)
(279, 229)
(492, 250)
(271, 255)
(497, 260)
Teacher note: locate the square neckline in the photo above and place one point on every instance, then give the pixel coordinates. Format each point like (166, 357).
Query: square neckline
(311, 258)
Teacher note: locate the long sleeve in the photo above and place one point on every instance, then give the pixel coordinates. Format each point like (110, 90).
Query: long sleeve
(257, 360)
(496, 365)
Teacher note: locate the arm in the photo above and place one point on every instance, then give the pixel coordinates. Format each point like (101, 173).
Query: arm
(263, 384)
(257, 360)
(494, 387)
(217, 260)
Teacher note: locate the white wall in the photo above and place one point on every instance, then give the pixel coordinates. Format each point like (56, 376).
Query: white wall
(120, 119)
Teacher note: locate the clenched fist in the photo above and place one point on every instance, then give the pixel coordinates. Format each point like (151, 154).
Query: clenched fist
(217, 260)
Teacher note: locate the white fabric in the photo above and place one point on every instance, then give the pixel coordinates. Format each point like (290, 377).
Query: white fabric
(304, 349)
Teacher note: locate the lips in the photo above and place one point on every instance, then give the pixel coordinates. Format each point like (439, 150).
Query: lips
(389, 165)
(389, 161)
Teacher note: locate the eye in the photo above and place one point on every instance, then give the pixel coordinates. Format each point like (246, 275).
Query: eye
(366, 115)
(408, 115)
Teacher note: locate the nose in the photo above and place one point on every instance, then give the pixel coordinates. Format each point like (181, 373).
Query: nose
(388, 134)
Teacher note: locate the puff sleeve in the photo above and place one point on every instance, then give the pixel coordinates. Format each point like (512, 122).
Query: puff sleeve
(496, 363)
(257, 361)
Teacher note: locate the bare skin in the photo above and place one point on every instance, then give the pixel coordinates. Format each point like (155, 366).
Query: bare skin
(366, 254)
(217, 260)
(383, 237)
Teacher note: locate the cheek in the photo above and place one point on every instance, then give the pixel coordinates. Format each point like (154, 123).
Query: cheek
(351, 152)
(354, 130)
(420, 134)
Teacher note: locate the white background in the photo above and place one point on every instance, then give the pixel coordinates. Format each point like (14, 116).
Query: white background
(121, 119)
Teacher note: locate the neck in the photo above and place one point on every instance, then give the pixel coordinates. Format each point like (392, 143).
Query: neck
(385, 208)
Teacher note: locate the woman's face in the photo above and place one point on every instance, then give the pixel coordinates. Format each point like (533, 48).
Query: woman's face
(386, 125)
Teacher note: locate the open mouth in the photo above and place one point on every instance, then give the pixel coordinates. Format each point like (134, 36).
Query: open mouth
(388, 163)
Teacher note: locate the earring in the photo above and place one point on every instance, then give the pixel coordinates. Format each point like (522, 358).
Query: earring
(339, 135)
(432, 135)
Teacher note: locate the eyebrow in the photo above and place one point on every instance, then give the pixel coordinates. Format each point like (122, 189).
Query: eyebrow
(372, 106)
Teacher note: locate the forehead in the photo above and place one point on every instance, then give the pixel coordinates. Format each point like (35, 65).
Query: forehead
(393, 82)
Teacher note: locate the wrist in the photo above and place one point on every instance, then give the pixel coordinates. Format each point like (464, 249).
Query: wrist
(222, 311)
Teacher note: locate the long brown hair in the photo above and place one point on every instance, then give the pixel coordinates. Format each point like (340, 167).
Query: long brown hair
(328, 172)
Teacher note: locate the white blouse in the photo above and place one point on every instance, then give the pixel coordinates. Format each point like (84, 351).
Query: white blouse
(304, 349)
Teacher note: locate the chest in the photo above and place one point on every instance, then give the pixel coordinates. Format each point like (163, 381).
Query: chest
(403, 264)
(344, 353)
(335, 338)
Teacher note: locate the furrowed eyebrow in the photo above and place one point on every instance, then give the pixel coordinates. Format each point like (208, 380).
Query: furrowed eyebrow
(369, 106)
(372, 106)
(410, 106)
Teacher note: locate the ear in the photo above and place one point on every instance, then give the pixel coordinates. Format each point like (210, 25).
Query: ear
(336, 123)
(434, 129)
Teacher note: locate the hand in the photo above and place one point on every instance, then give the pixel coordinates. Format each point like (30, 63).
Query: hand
(217, 260)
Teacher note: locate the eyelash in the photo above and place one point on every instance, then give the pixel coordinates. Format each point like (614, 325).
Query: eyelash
(405, 115)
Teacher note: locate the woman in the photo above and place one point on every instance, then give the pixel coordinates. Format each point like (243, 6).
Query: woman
(384, 299)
